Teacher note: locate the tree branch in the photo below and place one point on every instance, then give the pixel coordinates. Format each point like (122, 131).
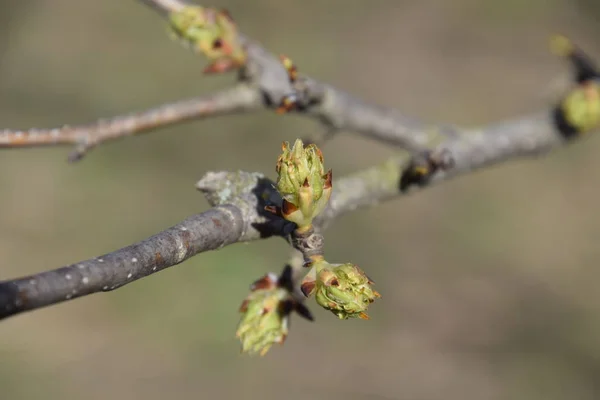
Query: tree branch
(338, 110)
(239, 199)
(241, 98)
(528, 136)
(238, 215)
(207, 231)
(266, 84)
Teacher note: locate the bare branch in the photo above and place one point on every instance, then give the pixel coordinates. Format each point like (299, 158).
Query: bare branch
(266, 86)
(238, 216)
(338, 110)
(472, 149)
(238, 99)
(207, 231)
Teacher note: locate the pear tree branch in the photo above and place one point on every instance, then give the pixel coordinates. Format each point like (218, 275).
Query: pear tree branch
(239, 215)
(239, 99)
(239, 199)
(529, 136)
(263, 84)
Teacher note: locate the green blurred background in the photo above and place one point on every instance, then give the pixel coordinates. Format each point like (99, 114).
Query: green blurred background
(489, 283)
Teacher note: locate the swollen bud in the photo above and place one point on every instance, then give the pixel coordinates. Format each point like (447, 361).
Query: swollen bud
(581, 107)
(344, 289)
(579, 110)
(302, 182)
(263, 320)
(211, 32)
(266, 312)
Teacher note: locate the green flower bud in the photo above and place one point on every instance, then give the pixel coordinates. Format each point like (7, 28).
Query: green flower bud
(581, 107)
(211, 32)
(344, 289)
(302, 182)
(266, 312)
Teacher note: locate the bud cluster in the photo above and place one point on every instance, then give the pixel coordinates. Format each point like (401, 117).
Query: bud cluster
(343, 289)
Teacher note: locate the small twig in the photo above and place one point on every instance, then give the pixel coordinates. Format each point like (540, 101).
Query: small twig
(239, 99)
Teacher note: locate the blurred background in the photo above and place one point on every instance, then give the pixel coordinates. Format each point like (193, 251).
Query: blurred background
(489, 282)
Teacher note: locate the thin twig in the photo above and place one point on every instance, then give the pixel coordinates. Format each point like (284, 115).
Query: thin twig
(84, 137)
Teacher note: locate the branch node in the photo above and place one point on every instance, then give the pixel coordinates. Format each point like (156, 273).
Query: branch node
(424, 166)
(310, 243)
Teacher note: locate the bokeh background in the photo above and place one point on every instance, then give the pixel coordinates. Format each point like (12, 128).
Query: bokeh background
(489, 282)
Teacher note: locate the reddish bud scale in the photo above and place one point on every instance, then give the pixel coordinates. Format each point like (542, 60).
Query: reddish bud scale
(274, 210)
(328, 180)
(221, 66)
(319, 153)
(308, 288)
(290, 68)
(225, 13)
(268, 281)
(288, 208)
(287, 105)
(244, 306)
